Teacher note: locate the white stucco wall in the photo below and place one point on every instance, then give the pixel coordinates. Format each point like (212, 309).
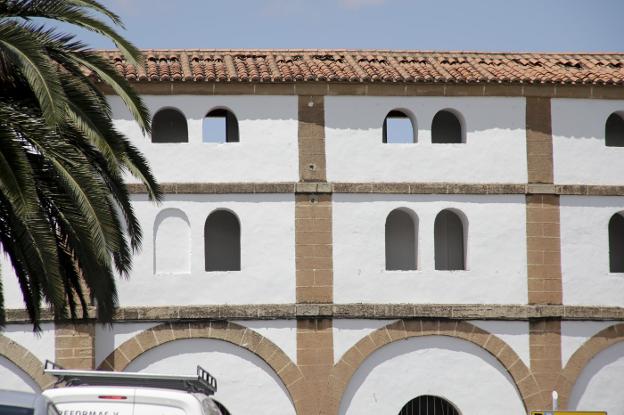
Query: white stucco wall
(599, 386)
(108, 338)
(283, 333)
(40, 344)
(267, 254)
(246, 384)
(579, 152)
(456, 370)
(13, 297)
(514, 333)
(585, 251)
(347, 332)
(267, 151)
(496, 250)
(575, 333)
(15, 379)
(494, 151)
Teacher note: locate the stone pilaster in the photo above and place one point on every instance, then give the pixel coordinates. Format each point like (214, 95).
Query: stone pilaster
(75, 345)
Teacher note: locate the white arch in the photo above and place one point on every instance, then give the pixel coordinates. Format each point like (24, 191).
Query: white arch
(14, 378)
(453, 369)
(246, 384)
(599, 385)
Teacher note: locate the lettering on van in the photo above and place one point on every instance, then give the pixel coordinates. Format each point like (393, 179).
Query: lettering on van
(87, 412)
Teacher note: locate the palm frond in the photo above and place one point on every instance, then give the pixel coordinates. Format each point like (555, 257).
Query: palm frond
(98, 7)
(21, 43)
(120, 85)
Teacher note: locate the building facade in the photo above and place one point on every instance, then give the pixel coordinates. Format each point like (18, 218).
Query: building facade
(349, 232)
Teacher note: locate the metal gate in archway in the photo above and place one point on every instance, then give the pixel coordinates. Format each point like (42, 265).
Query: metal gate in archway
(428, 405)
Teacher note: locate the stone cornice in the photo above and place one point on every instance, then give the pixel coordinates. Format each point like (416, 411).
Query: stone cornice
(385, 188)
(377, 89)
(351, 311)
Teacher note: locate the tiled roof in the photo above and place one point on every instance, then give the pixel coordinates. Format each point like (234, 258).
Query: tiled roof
(366, 66)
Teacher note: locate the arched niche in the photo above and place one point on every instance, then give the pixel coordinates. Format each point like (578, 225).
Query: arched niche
(447, 128)
(222, 241)
(169, 126)
(450, 241)
(616, 243)
(172, 242)
(614, 130)
(401, 240)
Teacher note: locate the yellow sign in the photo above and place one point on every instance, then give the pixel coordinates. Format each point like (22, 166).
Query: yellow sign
(568, 413)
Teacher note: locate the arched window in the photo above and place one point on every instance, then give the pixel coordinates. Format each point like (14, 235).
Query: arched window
(616, 243)
(220, 126)
(401, 240)
(428, 405)
(614, 131)
(172, 242)
(222, 242)
(449, 242)
(169, 126)
(398, 128)
(446, 128)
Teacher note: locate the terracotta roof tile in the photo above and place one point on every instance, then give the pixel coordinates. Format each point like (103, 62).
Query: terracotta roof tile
(370, 66)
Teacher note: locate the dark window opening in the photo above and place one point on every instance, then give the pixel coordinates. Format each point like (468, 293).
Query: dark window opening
(428, 405)
(446, 128)
(169, 126)
(220, 126)
(449, 242)
(616, 243)
(398, 128)
(222, 242)
(614, 131)
(401, 242)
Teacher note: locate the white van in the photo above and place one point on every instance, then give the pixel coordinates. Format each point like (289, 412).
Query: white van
(25, 403)
(122, 393)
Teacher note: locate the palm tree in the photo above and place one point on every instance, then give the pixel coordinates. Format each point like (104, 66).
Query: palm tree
(66, 222)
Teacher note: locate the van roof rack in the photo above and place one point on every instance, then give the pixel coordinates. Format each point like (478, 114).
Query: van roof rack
(204, 382)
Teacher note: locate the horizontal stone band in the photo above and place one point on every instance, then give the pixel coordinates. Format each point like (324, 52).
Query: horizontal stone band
(384, 188)
(351, 311)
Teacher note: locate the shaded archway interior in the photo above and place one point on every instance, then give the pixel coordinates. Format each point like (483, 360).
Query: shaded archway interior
(446, 128)
(449, 245)
(222, 235)
(401, 241)
(428, 405)
(169, 126)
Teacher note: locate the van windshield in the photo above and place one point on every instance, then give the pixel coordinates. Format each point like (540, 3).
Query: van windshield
(15, 410)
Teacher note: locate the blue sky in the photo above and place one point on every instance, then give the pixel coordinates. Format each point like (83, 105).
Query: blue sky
(482, 25)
